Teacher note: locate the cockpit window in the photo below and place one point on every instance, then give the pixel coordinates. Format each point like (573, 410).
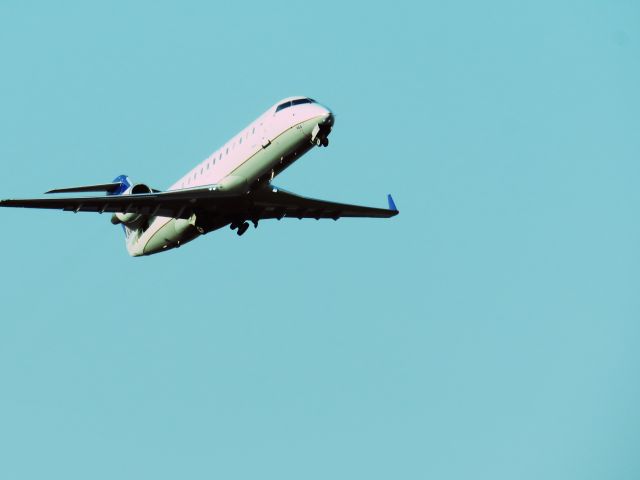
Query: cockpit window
(299, 101)
(282, 106)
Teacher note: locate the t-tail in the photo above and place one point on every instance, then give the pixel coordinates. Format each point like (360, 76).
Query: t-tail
(121, 185)
(133, 223)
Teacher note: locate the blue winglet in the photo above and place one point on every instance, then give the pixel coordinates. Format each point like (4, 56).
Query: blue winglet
(392, 204)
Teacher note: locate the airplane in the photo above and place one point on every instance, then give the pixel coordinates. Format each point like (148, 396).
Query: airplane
(230, 187)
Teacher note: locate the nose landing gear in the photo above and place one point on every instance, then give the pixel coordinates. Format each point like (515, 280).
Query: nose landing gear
(320, 134)
(324, 142)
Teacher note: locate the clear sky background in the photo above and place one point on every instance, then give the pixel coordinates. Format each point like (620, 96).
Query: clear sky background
(490, 331)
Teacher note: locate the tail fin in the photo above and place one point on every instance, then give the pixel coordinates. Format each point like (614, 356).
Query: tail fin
(122, 184)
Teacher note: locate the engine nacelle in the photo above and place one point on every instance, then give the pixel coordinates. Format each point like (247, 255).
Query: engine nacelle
(126, 218)
(131, 218)
(139, 188)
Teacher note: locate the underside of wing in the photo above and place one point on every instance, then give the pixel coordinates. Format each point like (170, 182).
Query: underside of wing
(177, 204)
(211, 205)
(277, 203)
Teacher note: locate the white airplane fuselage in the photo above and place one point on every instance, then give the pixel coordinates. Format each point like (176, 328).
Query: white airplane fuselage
(256, 154)
(232, 187)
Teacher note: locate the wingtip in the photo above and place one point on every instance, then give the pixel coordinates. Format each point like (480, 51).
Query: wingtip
(392, 204)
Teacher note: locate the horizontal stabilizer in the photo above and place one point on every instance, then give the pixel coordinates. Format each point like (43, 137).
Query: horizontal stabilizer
(103, 187)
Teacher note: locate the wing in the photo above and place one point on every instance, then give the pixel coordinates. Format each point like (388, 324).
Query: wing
(277, 203)
(264, 203)
(177, 204)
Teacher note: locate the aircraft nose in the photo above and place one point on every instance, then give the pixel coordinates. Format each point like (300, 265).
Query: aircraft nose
(328, 118)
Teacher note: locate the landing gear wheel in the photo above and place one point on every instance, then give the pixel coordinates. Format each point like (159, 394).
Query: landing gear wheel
(325, 142)
(318, 142)
(242, 228)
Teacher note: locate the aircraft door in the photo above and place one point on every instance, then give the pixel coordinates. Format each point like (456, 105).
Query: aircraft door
(265, 134)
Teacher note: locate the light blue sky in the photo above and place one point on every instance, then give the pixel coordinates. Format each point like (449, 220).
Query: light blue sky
(490, 331)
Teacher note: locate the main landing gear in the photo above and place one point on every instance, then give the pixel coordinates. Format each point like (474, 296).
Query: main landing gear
(242, 227)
